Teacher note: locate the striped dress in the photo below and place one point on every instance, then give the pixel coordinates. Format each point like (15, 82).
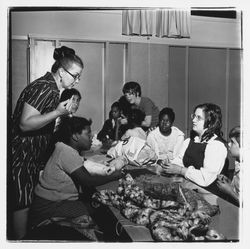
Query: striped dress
(28, 148)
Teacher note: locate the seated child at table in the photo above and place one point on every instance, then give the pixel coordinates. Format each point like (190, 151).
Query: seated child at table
(135, 120)
(232, 188)
(166, 140)
(56, 194)
(112, 130)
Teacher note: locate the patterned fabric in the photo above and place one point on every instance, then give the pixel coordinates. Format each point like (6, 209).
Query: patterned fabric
(28, 148)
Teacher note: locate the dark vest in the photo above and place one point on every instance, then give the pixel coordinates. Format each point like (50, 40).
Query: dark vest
(195, 153)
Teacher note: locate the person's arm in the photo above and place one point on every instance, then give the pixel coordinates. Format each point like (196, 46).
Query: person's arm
(178, 145)
(82, 177)
(152, 143)
(126, 135)
(147, 121)
(215, 155)
(178, 160)
(226, 187)
(32, 119)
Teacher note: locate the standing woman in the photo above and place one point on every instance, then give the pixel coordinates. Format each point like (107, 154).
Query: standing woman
(33, 123)
(203, 155)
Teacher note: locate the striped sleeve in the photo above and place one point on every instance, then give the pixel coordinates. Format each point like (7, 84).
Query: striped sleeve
(40, 97)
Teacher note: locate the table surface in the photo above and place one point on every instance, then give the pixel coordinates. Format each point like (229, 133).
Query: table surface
(226, 222)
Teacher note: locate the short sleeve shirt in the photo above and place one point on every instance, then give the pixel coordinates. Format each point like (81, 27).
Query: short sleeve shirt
(43, 95)
(150, 109)
(55, 182)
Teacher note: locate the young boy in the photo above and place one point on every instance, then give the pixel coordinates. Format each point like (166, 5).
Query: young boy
(232, 188)
(132, 92)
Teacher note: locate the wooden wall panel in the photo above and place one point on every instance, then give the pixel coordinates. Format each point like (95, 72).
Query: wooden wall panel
(234, 91)
(18, 75)
(177, 95)
(158, 75)
(138, 65)
(91, 83)
(207, 78)
(115, 82)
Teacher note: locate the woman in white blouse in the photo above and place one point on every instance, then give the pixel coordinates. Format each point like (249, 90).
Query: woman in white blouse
(203, 155)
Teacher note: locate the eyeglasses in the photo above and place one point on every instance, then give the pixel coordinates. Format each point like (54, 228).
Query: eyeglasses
(199, 118)
(75, 77)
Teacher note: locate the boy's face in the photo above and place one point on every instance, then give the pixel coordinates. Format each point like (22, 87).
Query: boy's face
(85, 138)
(131, 97)
(115, 112)
(234, 147)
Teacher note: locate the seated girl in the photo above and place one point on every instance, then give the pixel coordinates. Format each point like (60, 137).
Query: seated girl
(232, 188)
(112, 130)
(135, 120)
(166, 140)
(203, 155)
(56, 194)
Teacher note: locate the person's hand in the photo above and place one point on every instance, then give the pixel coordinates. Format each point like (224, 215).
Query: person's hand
(222, 178)
(171, 168)
(224, 186)
(123, 120)
(151, 129)
(118, 163)
(61, 108)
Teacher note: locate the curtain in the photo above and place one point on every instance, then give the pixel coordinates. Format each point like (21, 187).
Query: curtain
(137, 22)
(41, 57)
(161, 23)
(173, 23)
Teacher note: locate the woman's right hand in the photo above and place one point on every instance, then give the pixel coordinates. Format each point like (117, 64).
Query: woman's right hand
(61, 108)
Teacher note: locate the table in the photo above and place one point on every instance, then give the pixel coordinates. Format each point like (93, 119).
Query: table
(226, 222)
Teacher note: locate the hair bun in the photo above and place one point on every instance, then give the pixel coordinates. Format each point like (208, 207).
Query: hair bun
(59, 53)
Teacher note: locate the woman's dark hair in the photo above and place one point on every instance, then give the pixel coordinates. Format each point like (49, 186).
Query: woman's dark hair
(235, 132)
(65, 57)
(69, 126)
(135, 118)
(213, 120)
(68, 93)
(167, 111)
(132, 87)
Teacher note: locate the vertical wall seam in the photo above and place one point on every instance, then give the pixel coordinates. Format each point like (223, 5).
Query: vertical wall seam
(187, 90)
(227, 90)
(168, 55)
(105, 76)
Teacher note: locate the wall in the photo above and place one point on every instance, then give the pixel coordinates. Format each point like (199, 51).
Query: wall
(106, 25)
